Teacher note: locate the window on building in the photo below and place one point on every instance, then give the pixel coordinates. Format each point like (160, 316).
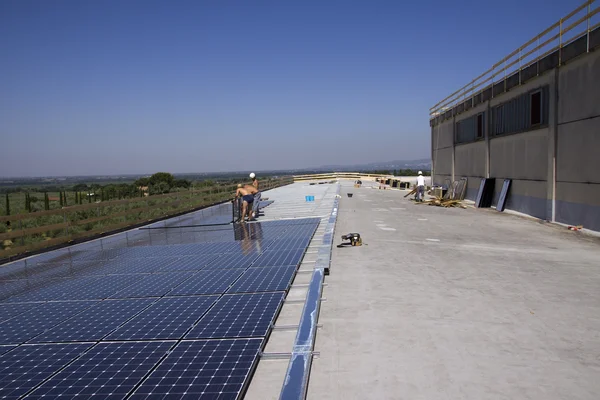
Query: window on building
(536, 108)
(499, 120)
(479, 126)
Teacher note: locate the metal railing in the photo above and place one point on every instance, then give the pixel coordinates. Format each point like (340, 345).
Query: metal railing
(339, 175)
(558, 35)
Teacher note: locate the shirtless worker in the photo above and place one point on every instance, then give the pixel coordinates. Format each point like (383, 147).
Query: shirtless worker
(247, 194)
(256, 195)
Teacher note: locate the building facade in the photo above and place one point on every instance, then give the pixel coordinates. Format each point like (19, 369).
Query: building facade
(538, 126)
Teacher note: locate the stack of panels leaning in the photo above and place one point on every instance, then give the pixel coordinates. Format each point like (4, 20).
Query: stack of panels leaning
(179, 320)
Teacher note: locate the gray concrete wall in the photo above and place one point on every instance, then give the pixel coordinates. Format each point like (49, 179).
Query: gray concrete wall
(469, 160)
(578, 141)
(442, 148)
(520, 156)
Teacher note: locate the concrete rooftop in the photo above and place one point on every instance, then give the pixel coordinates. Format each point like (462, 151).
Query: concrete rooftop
(448, 303)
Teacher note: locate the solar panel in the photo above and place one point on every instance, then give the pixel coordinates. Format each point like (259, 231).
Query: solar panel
(233, 260)
(25, 367)
(264, 279)
(204, 369)
(129, 266)
(6, 349)
(168, 318)
(8, 311)
(96, 322)
(107, 370)
(190, 263)
(31, 323)
(154, 285)
(279, 258)
(51, 290)
(207, 282)
(102, 287)
(296, 243)
(12, 288)
(240, 315)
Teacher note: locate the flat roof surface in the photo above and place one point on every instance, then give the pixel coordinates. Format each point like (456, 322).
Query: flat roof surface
(448, 303)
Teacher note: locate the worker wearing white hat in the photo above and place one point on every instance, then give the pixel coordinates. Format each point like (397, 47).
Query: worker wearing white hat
(256, 195)
(420, 187)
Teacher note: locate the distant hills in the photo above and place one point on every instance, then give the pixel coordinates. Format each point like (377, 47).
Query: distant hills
(422, 164)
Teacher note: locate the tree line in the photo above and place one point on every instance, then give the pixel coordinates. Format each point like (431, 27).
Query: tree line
(159, 183)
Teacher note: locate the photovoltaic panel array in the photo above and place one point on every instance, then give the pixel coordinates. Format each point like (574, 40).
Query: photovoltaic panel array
(203, 369)
(146, 320)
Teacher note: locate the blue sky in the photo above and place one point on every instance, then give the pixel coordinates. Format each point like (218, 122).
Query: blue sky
(131, 86)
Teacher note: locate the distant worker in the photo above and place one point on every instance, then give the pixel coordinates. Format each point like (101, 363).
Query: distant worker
(420, 187)
(256, 195)
(246, 192)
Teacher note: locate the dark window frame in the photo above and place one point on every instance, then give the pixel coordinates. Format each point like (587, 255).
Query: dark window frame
(537, 110)
(480, 126)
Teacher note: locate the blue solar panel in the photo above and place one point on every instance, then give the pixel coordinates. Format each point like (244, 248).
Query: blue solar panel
(31, 323)
(207, 282)
(264, 279)
(233, 260)
(190, 263)
(168, 318)
(52, 290)
(204, 369)
(108, 370)
(25, 367)
(12, 288)
(102, 287)
(90, 255)
(296, 243)
(8, 311)
(6, 348)
(154, 285)
(96, 322)
(239, 315)
(129, 266)
(279, 258)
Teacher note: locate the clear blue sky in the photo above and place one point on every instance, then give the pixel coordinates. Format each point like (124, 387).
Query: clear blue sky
(132, 86)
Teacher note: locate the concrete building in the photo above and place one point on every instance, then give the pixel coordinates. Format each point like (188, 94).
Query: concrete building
(533, 120)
